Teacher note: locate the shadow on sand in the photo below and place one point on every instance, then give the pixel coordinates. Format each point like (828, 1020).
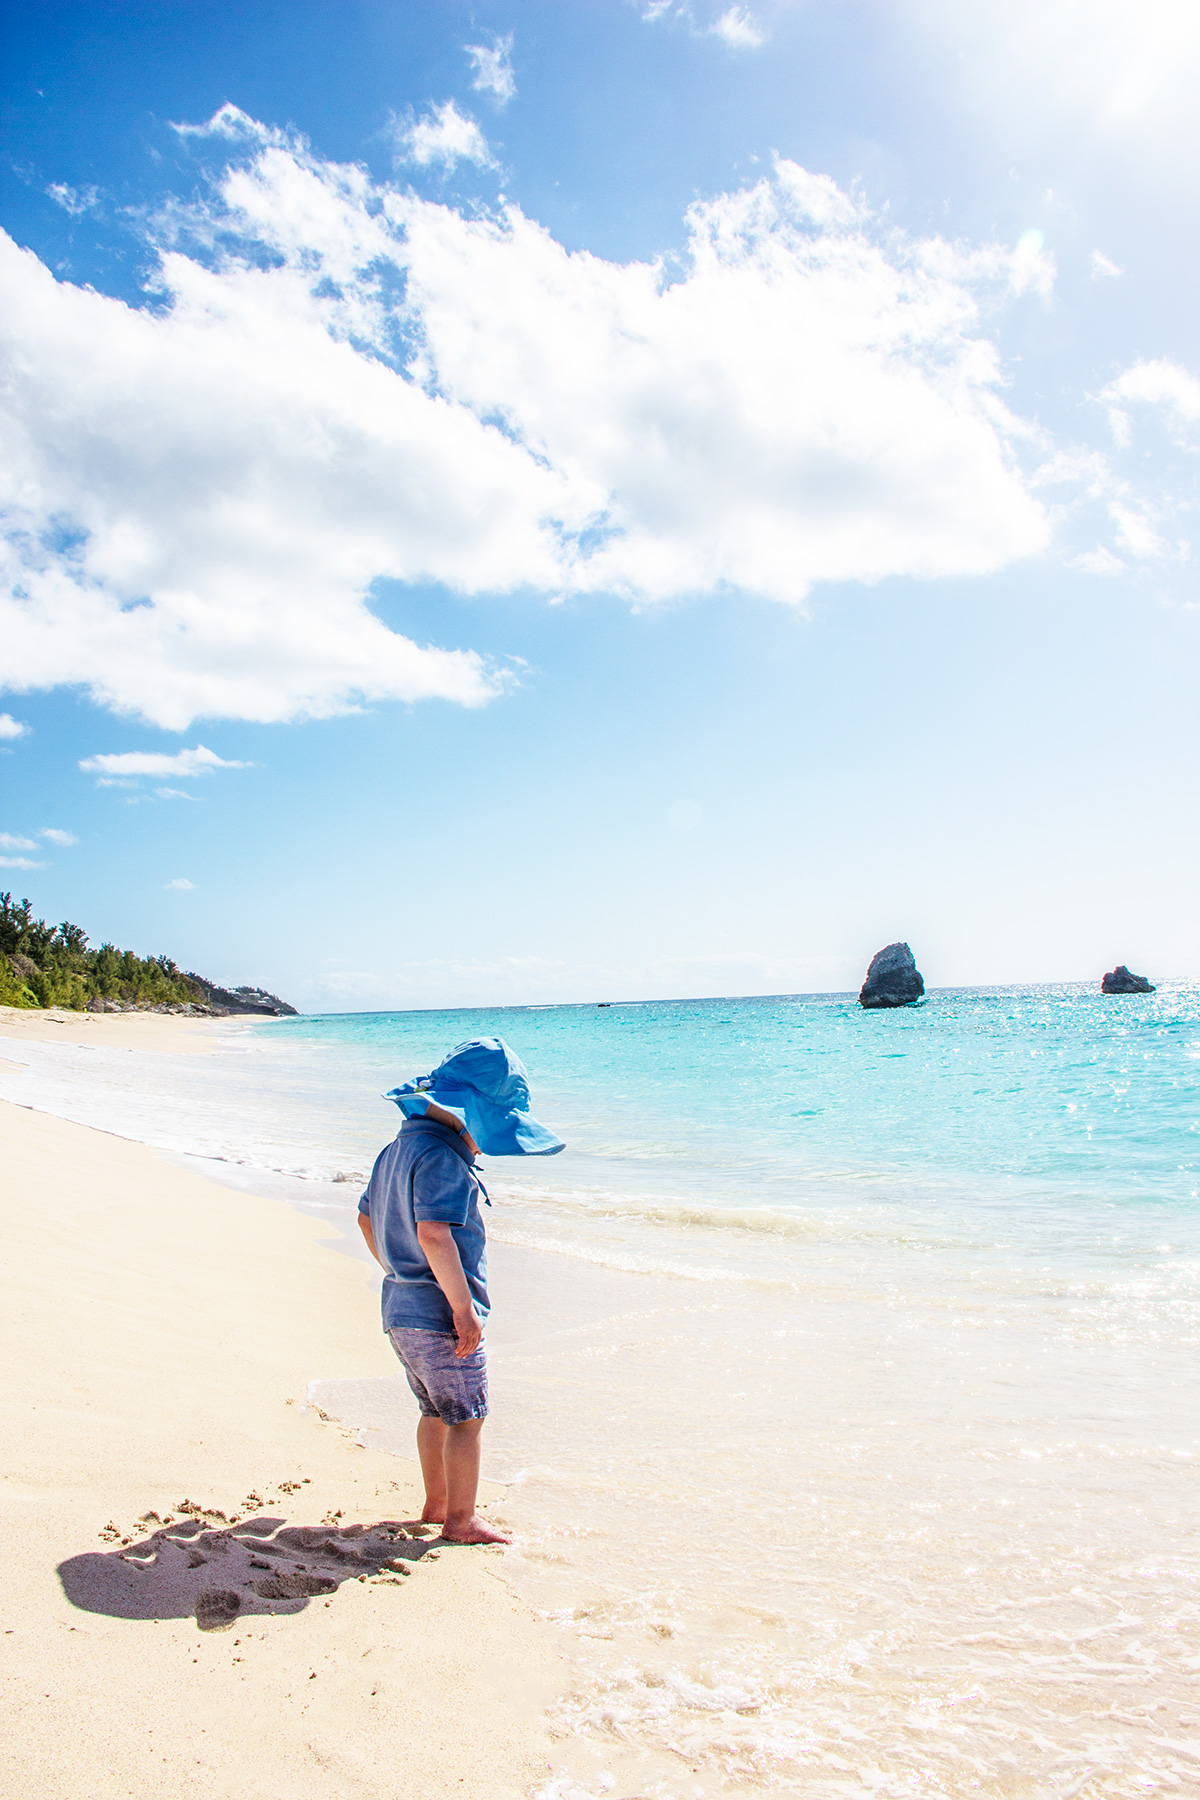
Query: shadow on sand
(262, 1565)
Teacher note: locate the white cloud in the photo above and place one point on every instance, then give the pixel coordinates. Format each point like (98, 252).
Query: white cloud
(151, 762)
(737, 26)
(1032, 268)
(1027, 268)
(1158, 383)
(740, 29)
(76, 201)
(807, 403)
(1135, 531)
(9, 842)
(204, 495)
(10, 727)
(493, 68)
(19, 862)
(1097, 495)
(169, 793)
(231, 122)
(1103, 267)
(239, 475)
(181, 885)
(1097, 562)
(63, 838)
(444, 136)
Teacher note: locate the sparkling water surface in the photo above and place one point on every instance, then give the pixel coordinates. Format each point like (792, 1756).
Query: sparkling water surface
(1055, 1085)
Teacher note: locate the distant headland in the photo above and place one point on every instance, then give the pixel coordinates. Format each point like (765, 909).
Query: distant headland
(52, 965)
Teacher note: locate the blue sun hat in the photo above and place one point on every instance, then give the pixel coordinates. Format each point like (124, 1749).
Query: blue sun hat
(483, 1083)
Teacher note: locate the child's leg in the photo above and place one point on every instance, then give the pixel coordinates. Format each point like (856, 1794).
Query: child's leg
(431, 1439)
(460, 1456)
(449, 1453)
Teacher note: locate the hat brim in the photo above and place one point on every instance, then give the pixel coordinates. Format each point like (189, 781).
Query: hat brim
(497, 1131)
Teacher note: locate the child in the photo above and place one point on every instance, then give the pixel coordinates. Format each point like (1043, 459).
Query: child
(421, 1220)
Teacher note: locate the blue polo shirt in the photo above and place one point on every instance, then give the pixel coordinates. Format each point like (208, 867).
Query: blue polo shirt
(427, 1172)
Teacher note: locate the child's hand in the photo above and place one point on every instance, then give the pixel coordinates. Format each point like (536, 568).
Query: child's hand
(468, 1330)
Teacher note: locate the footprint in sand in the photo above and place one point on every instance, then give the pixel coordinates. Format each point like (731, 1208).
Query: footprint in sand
(217, 1608)
(294, 1587)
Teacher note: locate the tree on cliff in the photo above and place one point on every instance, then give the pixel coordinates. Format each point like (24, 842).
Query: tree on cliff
(51, 965)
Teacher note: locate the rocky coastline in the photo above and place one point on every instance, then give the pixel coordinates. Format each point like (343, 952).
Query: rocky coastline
(218, 1003)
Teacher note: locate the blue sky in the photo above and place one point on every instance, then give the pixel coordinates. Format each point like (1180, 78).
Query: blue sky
(558, 502)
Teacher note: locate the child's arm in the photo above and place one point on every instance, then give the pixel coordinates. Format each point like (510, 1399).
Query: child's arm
(441, 1253)
(368, 1231)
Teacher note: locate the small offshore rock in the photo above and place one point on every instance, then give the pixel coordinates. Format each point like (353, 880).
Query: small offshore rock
(893, 979)
(1120, 981)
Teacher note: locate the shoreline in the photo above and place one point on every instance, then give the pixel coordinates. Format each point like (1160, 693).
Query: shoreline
(161, 1332)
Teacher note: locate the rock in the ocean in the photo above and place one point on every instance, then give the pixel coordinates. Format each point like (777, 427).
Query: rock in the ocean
(893, 978)
(1120, 981)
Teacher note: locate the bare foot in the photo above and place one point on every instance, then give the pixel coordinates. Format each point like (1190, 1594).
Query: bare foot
(472, 1531)
(433, 1515)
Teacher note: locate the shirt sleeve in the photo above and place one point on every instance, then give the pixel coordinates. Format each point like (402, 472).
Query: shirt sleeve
(443, 1187)
(364, 1205)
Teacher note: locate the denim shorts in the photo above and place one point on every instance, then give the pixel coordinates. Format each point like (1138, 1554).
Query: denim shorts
(448, 1387)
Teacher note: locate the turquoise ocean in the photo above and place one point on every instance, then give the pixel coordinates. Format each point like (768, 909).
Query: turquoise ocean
(844, 1365)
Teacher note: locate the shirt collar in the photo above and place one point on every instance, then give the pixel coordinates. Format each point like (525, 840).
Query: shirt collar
(444, 1132)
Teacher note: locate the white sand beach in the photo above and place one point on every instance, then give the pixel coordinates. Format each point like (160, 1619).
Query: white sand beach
(111, 1031)
(158, 1336)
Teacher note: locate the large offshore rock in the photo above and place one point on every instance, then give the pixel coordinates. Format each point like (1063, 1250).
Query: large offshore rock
(893, 978)
(1120, 981)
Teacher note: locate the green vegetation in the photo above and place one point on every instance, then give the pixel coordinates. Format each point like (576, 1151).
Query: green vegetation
(51, 965)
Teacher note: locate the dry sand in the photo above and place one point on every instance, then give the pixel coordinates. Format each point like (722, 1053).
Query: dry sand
(113, 1031)
(158, 1334)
